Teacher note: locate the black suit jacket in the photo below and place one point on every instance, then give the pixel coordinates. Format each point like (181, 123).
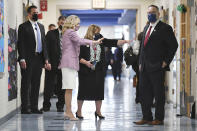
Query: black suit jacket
(53, 47)
(26, 41)
(161, 46)
(85, 54)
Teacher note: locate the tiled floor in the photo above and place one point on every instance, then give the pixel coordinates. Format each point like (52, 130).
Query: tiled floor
(118, 108)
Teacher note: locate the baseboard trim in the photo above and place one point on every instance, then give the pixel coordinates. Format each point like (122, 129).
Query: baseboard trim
(12, 113)
(8, 116)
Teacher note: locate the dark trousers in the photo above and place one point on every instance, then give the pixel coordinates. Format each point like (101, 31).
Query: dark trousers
(117, 69)
(53, 79)
(137, 99)
(152, 87)
(30, 83)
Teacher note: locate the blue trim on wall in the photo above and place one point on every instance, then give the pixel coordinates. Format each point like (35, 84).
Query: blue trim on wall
(103, 17)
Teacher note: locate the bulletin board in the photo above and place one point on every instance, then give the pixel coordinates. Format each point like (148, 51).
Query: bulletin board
(12, 50)
(2, 59)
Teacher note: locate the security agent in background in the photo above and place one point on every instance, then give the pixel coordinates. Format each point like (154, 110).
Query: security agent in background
(51, 27)
(53, 78)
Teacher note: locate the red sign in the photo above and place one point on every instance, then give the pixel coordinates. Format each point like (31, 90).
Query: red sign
(43, 5)
(40, 16)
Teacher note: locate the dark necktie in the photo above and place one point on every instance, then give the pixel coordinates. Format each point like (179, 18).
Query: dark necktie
(60, 38)
(147, 36)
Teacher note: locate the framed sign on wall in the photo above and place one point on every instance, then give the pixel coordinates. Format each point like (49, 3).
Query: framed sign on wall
(98, 4)
(43, 5)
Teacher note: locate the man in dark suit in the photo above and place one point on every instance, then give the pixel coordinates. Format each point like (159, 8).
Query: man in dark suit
(32, 56)
(117, 64)
(158, 48)
(54, 76)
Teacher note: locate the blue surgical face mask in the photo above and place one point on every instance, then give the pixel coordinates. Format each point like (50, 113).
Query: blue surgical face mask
(152, 18)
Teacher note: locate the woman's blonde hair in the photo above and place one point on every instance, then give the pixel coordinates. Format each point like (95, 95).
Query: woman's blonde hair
(91, 31)
(70, 22)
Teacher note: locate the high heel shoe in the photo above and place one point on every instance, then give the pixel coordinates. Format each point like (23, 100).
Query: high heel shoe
(100, 117)
(66, 117)
(80, 117)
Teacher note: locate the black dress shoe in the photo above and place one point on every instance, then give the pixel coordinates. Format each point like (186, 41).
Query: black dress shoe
(45, 109)
(25, 112)
(60, 110)
(36, 111)
(100, 117)
(80, 117)
(137, 100)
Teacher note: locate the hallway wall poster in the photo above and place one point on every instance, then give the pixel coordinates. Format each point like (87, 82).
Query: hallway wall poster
(12, 52)
(2, 60)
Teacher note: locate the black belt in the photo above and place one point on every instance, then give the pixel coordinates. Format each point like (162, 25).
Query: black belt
(37, 53)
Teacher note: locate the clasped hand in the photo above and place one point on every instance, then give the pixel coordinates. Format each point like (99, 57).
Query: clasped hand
(88, 64)
(47, 65)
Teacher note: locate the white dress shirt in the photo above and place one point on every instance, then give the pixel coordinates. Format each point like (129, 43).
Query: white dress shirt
(35, 32)
(153, 26)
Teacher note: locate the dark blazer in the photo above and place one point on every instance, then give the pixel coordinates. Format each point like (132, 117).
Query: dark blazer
(85, 54)
(161, 46)
(26, 41)
(53, 47)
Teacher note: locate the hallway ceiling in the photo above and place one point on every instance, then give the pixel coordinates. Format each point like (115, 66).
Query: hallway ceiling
(103, 17)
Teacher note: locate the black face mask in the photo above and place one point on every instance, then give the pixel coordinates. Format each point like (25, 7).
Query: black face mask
(60, 27)
(97, 36)
(35, 17)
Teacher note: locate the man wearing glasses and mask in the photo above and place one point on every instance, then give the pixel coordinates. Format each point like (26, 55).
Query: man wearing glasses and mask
(53, 78)
(32, 57)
